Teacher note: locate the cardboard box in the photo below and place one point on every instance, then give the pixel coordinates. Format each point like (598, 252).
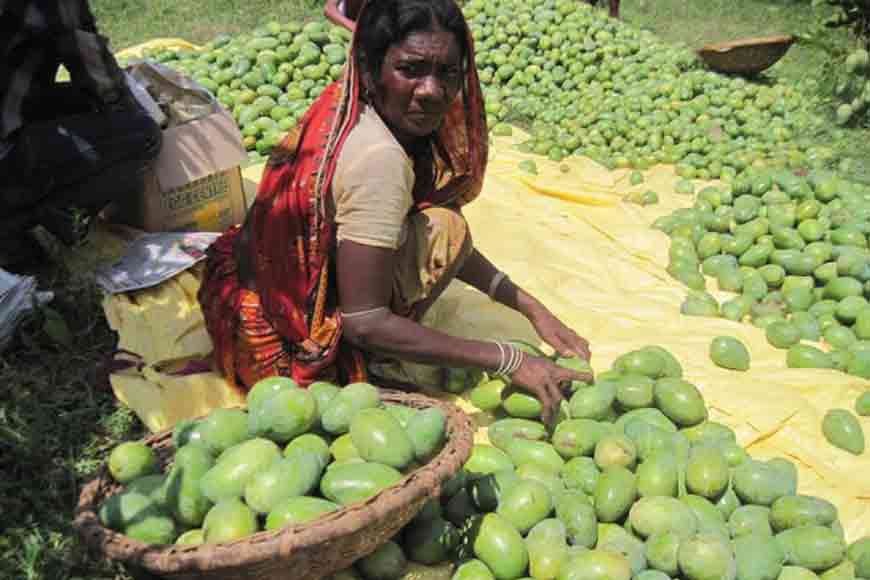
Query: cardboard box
(196, 181)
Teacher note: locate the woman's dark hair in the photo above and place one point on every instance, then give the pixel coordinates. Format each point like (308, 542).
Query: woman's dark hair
(386, 22)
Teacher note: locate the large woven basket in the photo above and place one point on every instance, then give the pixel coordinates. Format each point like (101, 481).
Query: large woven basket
(746, 55)
(304, 552)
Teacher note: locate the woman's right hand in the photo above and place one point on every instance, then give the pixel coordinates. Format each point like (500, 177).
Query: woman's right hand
(547, 381)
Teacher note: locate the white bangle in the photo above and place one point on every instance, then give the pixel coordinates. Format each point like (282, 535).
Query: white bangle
(510, 359)
(495, 283)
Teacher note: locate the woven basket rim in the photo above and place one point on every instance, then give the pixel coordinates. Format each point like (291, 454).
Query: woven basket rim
(277, 544)
(756, 41)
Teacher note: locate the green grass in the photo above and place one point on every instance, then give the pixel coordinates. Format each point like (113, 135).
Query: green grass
(129, 22)
(59, 418)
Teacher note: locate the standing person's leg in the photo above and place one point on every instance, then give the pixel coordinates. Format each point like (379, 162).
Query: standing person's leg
(85, 161)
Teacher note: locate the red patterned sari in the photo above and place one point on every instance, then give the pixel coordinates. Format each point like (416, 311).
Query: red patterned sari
(290, 324)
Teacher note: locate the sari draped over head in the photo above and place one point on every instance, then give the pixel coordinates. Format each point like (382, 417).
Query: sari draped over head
(290, 235)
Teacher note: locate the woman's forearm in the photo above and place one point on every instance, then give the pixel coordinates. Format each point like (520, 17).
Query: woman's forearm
(479, 272)
(385, 332)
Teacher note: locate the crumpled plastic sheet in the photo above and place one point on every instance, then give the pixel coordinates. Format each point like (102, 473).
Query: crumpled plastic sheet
(567, 236)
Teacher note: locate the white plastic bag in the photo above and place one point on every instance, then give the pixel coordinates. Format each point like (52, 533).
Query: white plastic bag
(18, 294)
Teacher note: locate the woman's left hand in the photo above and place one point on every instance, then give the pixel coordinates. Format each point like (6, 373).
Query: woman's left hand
(565, 341)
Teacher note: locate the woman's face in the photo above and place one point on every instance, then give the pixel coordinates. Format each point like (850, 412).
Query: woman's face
(419, 79)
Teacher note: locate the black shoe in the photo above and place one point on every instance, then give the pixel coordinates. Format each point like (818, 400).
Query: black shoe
(21, 253)
(69, 224)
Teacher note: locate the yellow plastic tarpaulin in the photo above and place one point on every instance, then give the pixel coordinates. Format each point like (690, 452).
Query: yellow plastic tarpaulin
(567, 236)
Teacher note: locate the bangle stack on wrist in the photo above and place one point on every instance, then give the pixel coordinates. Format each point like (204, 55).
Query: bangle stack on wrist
(511, 359)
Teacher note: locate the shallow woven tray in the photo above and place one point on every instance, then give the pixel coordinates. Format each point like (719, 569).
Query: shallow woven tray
(746, 55)
(304, 552)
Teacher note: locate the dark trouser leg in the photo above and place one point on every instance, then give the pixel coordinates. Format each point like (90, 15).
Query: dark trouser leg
(83, 161)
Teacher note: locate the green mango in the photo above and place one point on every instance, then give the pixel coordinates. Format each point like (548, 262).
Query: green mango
(756, 255)
(614, 494)
(680, 401)
(648, 439)
(342, 448)
(578, 515)
(737, 308)
(649, 415)
(309, 443)
(525, 504)
(661, 553)
(862, 404)
(714, 264)
(750, 520)
(577, 437)
(644, 361)
(754, 285)
(759, 483)
(656, 515)
(858, 552)
(817, 548)
(707, 472)
(758, 557)
(594, 402)
(403, 414)
(356, 482)
(387, 561)
(184, 496)
(580, 473)
(236, 466)
(706, 556)
(845, 570)
(427, 432)
(548, 549)
(728, 352)
(596, 565)
(487, 396)
(521, 405)
(430, 542)
(728, 502)
(472, 569)
(615, 449)
(634, 392)
(223, 428)
(542, 473)
(803, 356)
(807, 325)
(791, 511)
(323, 392)
(337, 415)
(460, 508)
(487, 459)
(528, 451)
(843, 286)
(503, 431)
(501, 547)
(782, 334)
(487, 490)
(710, 519)
(658, 475)
(796, 573)
(699, 304)
(230, 519)
(859, 364)
(730, 280)
(842, 429)
(286, 477)
(378, 437)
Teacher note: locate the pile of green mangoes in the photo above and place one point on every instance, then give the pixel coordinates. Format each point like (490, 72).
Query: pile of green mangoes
(794, 250)
(266, 79)
(292, 455)
(633, 482)
(586, 84)
(583, 83)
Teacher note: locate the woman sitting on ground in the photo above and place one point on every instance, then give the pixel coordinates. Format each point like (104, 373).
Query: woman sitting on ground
(357, 227)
